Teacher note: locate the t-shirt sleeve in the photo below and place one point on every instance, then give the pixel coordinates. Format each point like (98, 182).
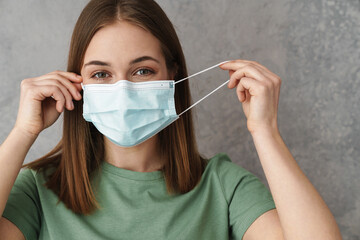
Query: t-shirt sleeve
(23, 205)
(248, 198)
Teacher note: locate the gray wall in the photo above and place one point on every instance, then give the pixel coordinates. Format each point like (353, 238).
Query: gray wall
(312, 45)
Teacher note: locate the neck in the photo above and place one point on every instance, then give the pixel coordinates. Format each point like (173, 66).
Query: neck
(144, 157)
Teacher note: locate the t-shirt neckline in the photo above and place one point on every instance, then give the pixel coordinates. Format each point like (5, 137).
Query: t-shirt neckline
(125, 173)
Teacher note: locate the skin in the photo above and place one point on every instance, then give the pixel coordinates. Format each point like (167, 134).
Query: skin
(300, 211)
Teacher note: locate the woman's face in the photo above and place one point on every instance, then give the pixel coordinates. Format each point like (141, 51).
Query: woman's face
(123, 51)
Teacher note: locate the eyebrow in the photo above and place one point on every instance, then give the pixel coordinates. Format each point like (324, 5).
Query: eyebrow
(143, 58)
(98, 63)
(137, 60)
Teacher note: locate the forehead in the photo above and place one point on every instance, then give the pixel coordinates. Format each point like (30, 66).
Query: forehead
(122, 41)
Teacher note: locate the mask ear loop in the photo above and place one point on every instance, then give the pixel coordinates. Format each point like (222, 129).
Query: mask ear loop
(179, 81)
(206, 94)
(204, 97)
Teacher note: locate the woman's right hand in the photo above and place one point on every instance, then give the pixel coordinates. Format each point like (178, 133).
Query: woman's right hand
(43, 98)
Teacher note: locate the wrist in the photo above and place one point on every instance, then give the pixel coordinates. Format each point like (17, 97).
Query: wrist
(272, 132)
(23, 134)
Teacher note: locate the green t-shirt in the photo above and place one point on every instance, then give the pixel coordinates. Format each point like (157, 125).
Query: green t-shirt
(135, 205)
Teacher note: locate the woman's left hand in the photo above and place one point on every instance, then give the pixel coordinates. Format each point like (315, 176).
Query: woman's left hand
(258, 89)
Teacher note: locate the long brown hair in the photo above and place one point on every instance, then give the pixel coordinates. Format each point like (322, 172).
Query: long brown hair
(80, 152)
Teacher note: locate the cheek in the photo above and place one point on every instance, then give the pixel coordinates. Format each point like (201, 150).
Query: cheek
(163, 74)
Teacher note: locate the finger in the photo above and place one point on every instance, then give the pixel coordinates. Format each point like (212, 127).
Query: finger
(250, 72)
(247, 96)
(231, 72)
(240, 91)
(55, 93)
(233, 65)
(269, 75)
(71, 76)
(79, 79)
(260, 71)
(53, 82)
(236, 64)
(248, 87)
(71, 87)
(259, 65)
(272, 74)
(78, 87)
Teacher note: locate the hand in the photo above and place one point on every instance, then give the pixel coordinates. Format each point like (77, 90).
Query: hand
(258, 90)
(43, 98)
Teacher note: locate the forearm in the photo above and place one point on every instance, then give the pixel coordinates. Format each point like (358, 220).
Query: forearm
(303, 213)
(12, 155)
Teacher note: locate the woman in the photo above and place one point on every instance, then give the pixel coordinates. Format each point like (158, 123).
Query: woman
(152, 183)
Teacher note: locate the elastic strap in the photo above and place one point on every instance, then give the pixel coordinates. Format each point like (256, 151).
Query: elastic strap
(208, 93)
(204, 98)
(201, 72)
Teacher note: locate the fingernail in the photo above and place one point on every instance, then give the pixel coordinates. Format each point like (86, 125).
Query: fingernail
(72, 105)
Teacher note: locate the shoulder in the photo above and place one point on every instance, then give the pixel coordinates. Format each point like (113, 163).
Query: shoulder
(233, 178)
(29, 178)
(224, 167)
(23, 207)
(26, 175)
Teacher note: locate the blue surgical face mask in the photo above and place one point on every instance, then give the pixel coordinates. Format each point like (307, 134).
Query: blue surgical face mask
(128, 113)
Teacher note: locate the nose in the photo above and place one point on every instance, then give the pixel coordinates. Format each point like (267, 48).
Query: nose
(120, 77)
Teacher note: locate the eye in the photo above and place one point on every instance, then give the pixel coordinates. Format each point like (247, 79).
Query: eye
(100, 75)
(144, 72)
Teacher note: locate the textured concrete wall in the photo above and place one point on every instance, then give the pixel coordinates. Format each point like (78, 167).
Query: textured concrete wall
(313, 45)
